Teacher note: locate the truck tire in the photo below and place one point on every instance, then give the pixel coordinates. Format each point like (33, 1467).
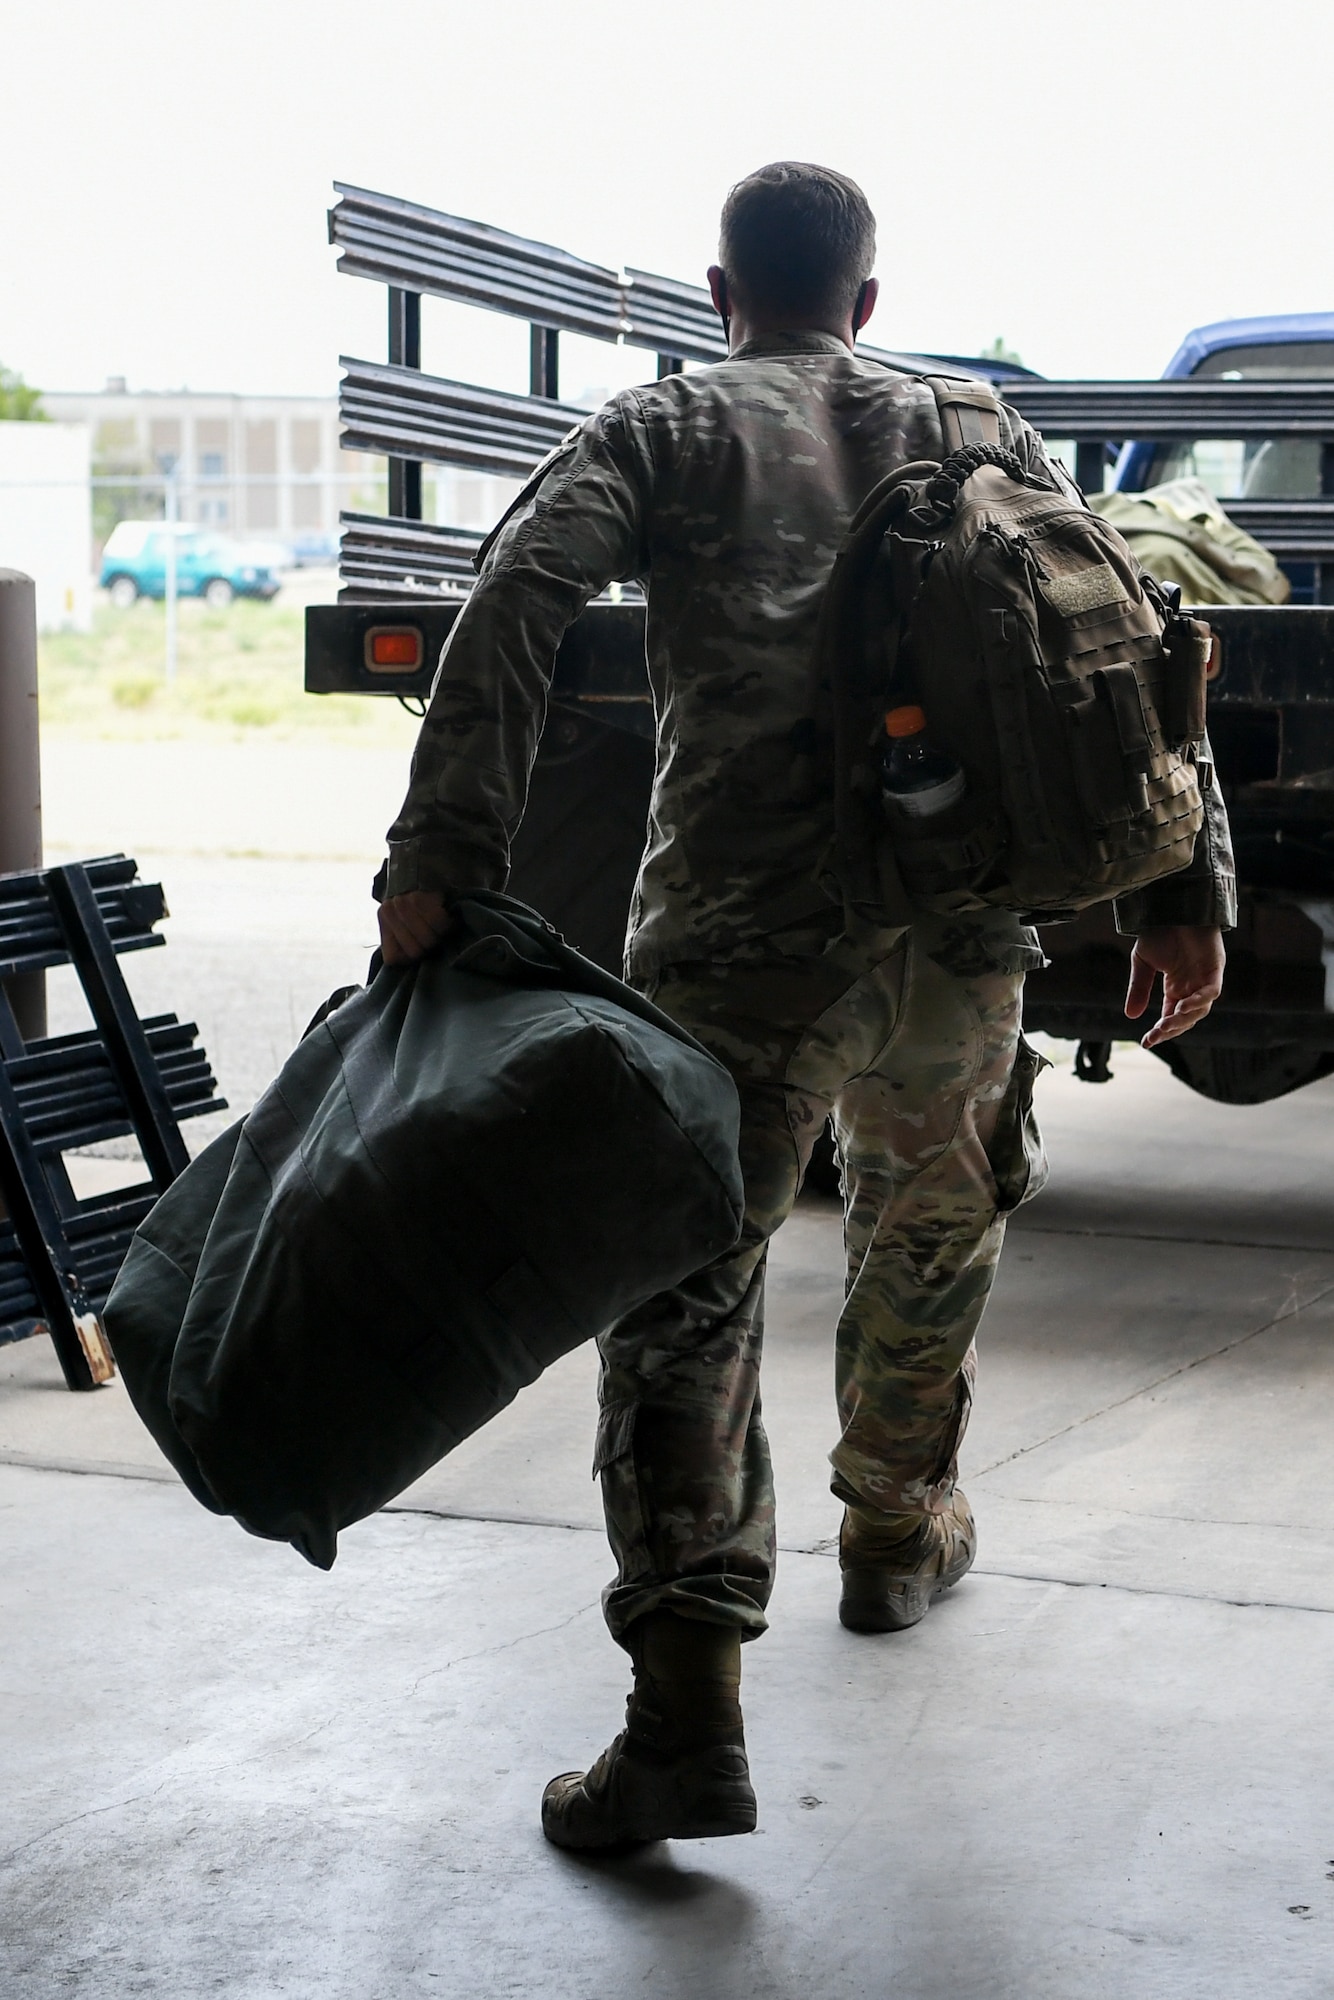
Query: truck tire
(1244, 1075)
(123, 592)
(217, 593)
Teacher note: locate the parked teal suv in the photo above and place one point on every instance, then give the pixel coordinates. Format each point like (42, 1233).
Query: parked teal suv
(134, 564)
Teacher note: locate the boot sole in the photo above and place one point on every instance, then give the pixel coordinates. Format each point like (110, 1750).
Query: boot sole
(716, 1819)
(642, 1834)
(883, 1616)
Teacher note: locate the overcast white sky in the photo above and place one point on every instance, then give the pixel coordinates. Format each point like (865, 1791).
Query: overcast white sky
(1087, 180)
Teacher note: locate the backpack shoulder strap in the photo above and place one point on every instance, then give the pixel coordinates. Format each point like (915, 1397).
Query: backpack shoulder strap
(969, 412)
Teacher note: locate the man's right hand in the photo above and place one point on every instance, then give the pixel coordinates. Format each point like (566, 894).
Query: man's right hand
(411, 924)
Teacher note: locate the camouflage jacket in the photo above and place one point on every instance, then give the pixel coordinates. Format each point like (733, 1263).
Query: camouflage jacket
(726, 492)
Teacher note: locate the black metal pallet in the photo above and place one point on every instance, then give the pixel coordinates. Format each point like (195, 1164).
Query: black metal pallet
(30, 935)
(122, 1078)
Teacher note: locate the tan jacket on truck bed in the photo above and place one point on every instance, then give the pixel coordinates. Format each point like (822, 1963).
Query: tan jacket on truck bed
(727, 491)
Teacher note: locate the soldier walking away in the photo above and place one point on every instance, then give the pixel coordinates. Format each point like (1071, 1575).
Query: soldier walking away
(727, 492)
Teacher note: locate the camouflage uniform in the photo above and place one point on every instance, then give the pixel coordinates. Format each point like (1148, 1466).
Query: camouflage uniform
(727, 492)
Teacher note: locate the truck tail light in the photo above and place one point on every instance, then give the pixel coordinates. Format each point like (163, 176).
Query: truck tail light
(394, 649)
(1214, 665)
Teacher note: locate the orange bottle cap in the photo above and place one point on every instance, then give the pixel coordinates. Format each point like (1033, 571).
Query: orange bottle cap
(905, 722)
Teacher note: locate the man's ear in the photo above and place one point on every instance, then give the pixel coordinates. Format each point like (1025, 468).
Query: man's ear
(865, 305)
(718, 292)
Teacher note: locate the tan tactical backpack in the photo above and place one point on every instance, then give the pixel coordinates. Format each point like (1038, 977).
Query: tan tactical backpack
(1060, 677)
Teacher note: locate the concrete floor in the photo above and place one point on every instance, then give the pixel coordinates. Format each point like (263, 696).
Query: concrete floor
(1102, 1768)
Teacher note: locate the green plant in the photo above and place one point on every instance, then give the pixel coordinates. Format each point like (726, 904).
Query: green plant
(239, 672)
(134, 690)
(252, 712)
(18, 403)
(998, 351)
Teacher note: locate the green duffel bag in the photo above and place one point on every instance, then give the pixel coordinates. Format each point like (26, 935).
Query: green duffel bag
(464, 1170)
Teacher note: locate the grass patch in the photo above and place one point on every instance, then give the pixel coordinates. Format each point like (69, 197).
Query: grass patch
(239, 673)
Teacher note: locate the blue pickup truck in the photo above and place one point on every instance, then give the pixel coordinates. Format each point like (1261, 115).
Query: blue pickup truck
(1240, 471)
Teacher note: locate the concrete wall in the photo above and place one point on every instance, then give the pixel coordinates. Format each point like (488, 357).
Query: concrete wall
(46, 517)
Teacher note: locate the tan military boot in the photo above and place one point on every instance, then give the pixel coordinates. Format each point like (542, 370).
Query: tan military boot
(894, 1565)
(678, 1770)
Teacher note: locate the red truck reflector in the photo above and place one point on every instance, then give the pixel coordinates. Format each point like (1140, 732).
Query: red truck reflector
(394, 649)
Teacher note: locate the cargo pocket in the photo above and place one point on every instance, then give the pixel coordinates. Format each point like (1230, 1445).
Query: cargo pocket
(622, 1499)
(940, 1486)
(615, 1434)
(1016, 1154)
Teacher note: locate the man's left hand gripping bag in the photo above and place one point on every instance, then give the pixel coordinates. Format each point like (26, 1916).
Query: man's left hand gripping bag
(466, 1169)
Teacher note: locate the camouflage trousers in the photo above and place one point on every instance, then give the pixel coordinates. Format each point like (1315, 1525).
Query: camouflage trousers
(919, 1059)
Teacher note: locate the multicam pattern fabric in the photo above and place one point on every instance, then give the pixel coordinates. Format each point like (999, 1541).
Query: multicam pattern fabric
(930, 1086)
(727, 491)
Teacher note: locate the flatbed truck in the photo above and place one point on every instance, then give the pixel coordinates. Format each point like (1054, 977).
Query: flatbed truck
(1248, 405)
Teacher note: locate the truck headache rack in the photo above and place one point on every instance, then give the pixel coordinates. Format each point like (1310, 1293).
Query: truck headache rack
(451, 423)
(418, 250)
(401, 559)
(1102, 416)
(1176, 409)
(122, 1078)
(415, 418)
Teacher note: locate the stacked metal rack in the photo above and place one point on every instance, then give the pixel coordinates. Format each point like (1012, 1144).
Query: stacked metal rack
(1099, 416)
(414, 417)
(121, 1078)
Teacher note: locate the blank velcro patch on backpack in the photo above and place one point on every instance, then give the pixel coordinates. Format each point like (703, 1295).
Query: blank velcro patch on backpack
(1083, 589)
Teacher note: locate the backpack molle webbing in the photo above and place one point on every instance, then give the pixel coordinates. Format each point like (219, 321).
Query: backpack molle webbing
(1058, 674)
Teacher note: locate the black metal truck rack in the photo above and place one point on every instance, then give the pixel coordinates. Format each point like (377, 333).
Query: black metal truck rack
(1100, 416)
(124, 1077)
(1271, 709)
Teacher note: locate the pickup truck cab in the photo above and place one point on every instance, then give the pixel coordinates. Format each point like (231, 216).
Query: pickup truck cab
(134, 564)
(1280, 348)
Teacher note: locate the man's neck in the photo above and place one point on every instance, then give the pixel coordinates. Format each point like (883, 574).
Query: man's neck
(741, 329)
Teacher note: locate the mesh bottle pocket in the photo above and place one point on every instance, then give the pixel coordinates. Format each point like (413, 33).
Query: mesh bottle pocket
(947, 861)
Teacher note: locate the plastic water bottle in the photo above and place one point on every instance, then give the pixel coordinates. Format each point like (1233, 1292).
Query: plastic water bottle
(917, 779)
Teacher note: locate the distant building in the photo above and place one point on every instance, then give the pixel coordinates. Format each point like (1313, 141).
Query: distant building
(264, 468)
(257, 467)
